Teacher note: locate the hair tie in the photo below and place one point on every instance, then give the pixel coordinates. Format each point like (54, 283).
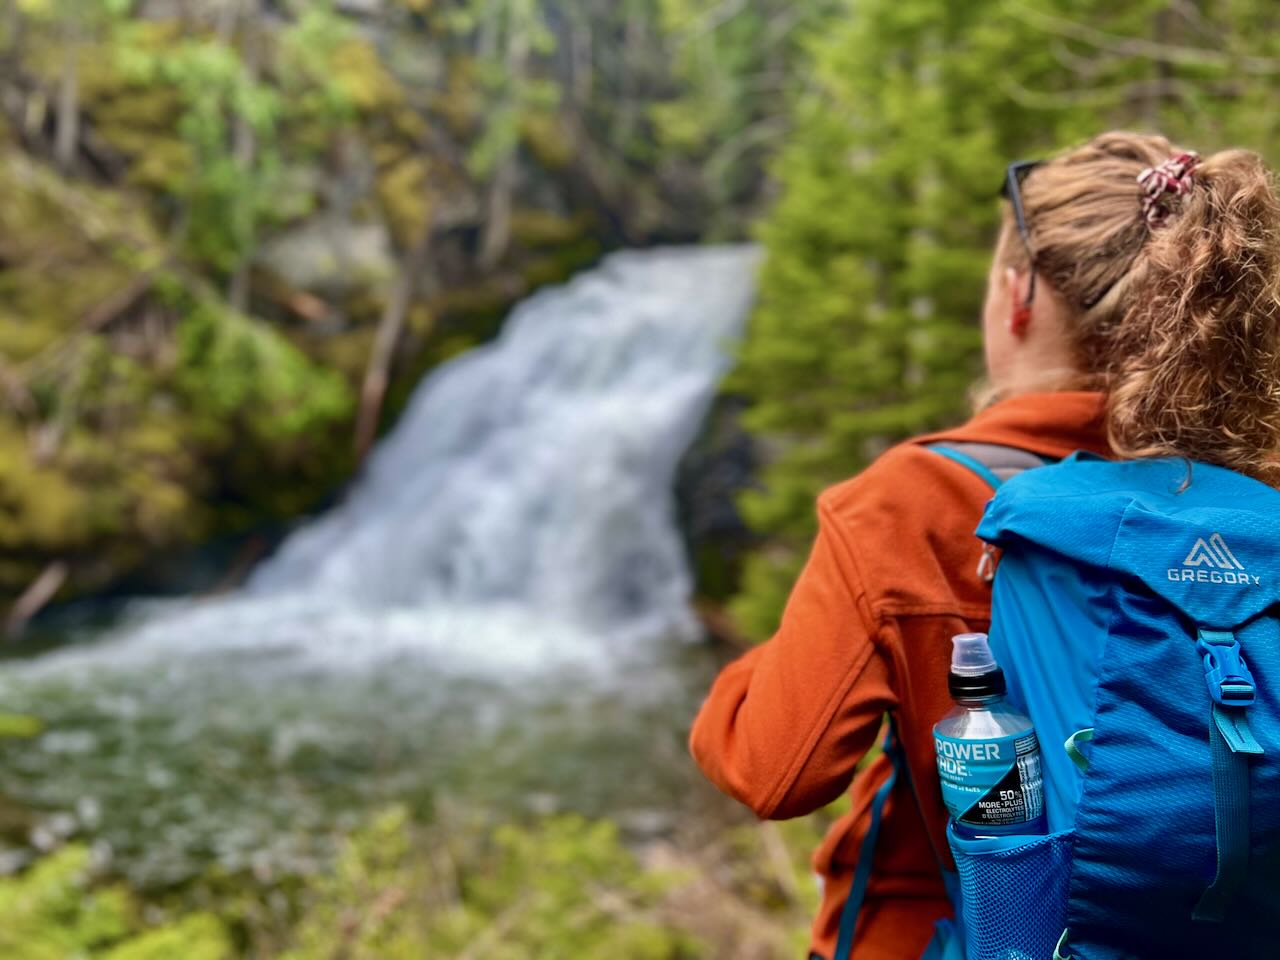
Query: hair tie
(1171, 179)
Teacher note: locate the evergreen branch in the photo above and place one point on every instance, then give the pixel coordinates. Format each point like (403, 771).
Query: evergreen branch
(718, 16)
(1159, 87)
(1084, 67)
(732, 149)
(1194, 17)
(1124, 46)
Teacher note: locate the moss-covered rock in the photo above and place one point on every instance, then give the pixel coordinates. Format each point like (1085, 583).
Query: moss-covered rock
(128, 386)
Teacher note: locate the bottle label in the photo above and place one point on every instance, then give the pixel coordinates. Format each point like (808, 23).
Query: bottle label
(992, 782)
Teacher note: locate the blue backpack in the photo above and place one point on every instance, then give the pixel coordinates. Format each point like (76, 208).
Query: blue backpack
(1136, 614)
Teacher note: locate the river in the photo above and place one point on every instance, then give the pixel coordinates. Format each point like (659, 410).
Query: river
(495, 617)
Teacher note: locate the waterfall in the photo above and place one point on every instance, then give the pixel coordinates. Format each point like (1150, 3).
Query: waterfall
(491, 615)
(522, 508)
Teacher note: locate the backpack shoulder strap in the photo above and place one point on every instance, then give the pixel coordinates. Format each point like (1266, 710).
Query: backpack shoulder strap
(862, 872)
(993, 462)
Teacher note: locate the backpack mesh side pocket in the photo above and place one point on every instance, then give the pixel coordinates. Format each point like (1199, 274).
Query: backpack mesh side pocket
(1013, 894)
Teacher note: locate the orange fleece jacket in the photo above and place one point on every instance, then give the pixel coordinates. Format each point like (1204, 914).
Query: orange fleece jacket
(866, 631)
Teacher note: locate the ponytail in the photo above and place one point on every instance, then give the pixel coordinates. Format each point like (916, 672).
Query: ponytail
(1196, 360)
(1177, 311)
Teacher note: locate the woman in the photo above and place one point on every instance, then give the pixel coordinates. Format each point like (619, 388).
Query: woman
(1133, 306)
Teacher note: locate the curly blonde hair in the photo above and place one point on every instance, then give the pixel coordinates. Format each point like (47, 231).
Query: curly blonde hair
(1179, 323)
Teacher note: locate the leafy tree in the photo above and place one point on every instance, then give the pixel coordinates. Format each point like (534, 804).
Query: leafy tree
(234, 121)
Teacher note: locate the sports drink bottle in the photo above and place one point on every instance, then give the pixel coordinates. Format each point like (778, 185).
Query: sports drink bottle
(988, 754)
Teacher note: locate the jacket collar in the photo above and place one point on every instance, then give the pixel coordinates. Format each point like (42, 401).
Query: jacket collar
(1051, 424)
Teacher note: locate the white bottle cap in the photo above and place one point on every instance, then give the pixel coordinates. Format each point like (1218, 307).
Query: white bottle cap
(971, 656)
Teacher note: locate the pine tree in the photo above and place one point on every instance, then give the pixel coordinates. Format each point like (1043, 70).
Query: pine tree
(867, 328)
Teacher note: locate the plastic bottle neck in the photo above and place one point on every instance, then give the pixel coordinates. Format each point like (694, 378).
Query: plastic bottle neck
(972, 701)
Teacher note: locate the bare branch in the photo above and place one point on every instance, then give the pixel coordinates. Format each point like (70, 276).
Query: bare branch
(35, 597)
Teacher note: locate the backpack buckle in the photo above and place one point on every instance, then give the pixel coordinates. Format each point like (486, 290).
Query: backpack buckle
(1230, 682)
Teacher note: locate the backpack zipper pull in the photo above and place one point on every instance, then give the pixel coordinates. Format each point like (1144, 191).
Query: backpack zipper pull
(987, 564)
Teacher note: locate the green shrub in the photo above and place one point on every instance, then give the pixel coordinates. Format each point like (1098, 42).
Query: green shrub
(565, 887)
(56, 911)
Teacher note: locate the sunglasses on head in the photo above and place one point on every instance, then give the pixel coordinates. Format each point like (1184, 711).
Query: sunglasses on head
(1014, 175)
(1012, 191)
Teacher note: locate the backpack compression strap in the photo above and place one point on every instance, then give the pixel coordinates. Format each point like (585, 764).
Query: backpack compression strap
(1231, 686)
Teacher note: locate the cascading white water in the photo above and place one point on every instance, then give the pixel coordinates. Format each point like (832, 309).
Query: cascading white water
(482, 618)
(537, 470)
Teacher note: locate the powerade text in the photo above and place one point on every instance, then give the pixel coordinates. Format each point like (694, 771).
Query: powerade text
(954, 756)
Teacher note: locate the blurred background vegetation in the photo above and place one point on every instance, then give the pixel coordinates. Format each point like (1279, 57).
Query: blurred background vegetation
(235, 235)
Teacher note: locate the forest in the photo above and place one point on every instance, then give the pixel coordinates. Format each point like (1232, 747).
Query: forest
(235, 235)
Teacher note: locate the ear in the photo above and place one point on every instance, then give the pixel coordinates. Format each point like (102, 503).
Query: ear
(1016, 287)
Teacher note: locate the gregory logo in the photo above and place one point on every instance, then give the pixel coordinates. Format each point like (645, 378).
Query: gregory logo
(1211, 561)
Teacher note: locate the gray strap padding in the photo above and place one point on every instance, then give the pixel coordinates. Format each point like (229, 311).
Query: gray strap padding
(1004, 462)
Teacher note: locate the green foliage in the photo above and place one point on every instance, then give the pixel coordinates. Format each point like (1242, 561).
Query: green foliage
(556, 886)
(510, 35)
(17, 726)
(737, 69)
(78, 12)
(308, 51)
(226, 196)
(247, 114)
(562, 888)
(120, 431)
(867, 327)
(56, 911)
(238, 370)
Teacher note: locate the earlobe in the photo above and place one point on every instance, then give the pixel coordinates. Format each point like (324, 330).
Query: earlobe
(1020, 312)
(1020, 320)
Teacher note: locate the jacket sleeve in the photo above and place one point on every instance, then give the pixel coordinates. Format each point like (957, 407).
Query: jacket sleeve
(786, 724)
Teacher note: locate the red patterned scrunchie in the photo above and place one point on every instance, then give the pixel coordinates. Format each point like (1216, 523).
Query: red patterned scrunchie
(1171, 179)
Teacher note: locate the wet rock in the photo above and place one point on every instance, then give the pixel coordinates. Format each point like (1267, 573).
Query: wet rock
(720, 464)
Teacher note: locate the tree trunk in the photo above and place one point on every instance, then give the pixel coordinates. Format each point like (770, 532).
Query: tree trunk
(228, 16)
(377, 374)
(625, 114)
(490, 27)
(13, 28)
(1154, 98)
(68, 119)
(581, 64)
(497, 222)
(244, 143)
